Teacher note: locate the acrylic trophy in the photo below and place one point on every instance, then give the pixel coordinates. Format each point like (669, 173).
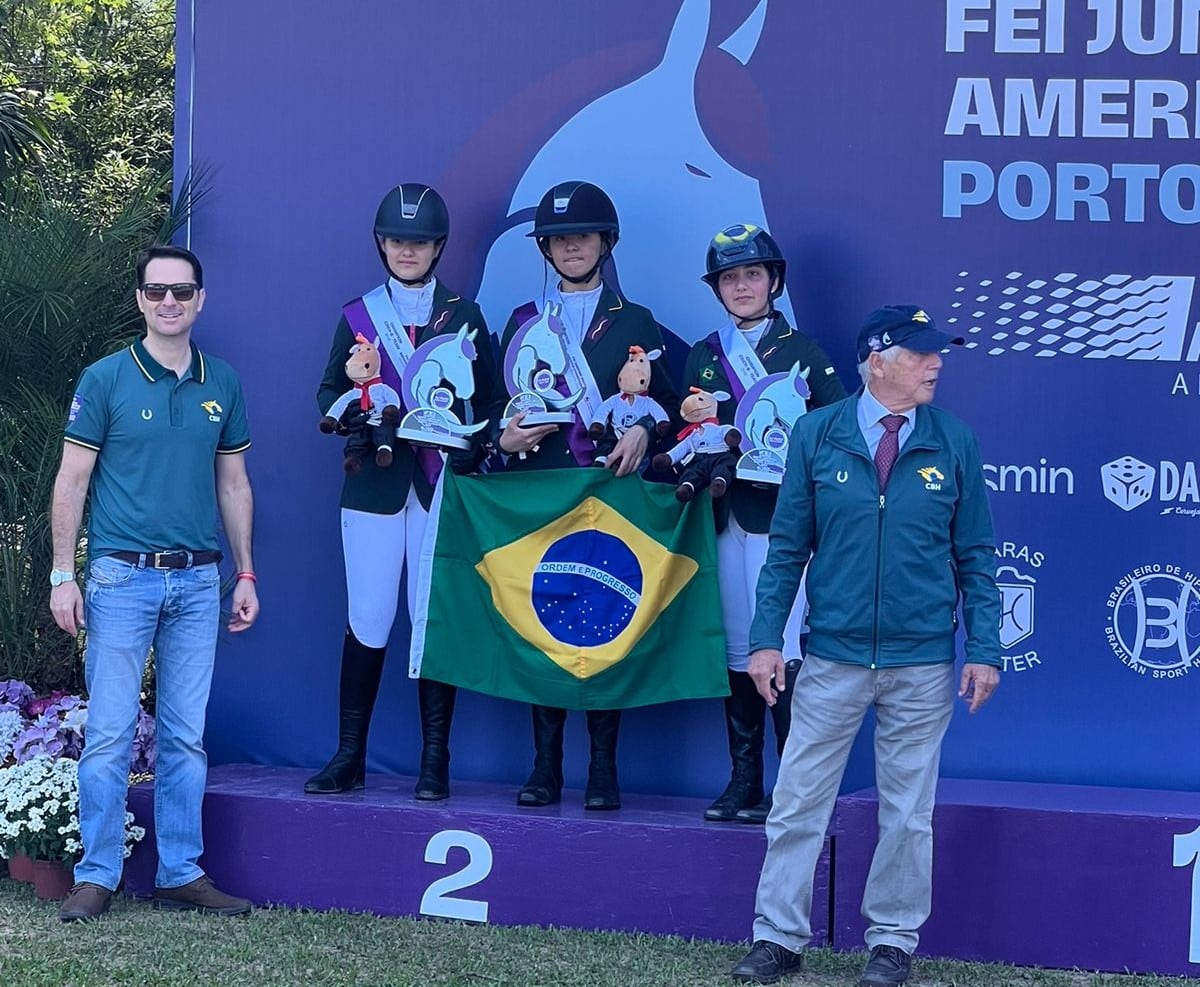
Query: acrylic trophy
(765, 417)
(439, 372)
(535, 365)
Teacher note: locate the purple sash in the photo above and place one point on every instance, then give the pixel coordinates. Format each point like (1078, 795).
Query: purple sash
(736, 387)
(430, 460)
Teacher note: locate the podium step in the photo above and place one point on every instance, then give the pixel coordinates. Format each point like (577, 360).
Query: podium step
(652, 866)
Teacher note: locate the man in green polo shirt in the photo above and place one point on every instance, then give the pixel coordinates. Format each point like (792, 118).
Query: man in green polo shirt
(156, 437)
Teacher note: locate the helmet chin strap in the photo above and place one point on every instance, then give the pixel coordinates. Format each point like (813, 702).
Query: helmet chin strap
(418, 283)
(577, 279)
(770, 312)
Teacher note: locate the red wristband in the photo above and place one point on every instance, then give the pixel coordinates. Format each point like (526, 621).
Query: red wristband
(248, 575)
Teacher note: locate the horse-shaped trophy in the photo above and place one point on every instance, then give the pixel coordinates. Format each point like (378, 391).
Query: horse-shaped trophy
(538, 373)
(439, 373)
(765, 416)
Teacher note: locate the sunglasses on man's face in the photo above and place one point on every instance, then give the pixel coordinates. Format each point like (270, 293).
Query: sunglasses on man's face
(182, 292)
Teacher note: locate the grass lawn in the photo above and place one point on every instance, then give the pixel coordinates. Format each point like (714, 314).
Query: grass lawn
(136, 945)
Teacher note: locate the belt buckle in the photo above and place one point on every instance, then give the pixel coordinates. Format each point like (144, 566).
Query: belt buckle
(159, 556)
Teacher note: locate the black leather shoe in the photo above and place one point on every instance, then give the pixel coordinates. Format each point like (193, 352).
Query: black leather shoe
(756, 815)
(887, 966)
(766, 963)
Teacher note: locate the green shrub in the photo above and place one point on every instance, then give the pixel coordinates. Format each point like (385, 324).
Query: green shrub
(66, 299)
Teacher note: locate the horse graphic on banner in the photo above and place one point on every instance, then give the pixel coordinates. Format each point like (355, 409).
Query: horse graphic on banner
(643, 144)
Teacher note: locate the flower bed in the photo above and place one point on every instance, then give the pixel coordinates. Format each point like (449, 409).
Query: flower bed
(41, 740)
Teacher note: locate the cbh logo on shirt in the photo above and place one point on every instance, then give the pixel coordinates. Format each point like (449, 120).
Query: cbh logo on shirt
(214, 410)
(932, 477)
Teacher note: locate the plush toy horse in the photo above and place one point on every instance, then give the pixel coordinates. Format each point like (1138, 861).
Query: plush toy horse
(615, 416)
(368, 412)
(707, 450)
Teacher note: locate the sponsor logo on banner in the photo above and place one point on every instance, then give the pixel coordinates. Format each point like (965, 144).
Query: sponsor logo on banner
(1028, 478)
(1129, 483)
(1016, 564)
(1119, 317)
(1154, 621)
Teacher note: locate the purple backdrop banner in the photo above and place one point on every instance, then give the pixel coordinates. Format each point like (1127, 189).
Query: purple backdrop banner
(1024, 170)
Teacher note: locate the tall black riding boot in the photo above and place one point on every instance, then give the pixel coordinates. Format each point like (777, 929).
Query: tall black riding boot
(745, 711)
(436, 700)
(346, 771)
(544, 786)
(602, 791)
(781, 718)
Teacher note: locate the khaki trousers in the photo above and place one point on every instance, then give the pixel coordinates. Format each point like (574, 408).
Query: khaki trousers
(912, 706)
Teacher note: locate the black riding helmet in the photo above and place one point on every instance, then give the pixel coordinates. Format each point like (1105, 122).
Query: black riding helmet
(744, 244)
(576, 207)
(412, 211)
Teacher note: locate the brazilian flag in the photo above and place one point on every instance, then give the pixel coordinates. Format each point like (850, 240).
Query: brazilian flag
(571, 588)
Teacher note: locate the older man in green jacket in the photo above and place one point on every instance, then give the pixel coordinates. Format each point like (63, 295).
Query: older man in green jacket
(884, 502)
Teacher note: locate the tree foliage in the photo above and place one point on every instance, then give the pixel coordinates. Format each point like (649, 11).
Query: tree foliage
(23, 135)
(86, 110)
(66, 299)
(100, 74)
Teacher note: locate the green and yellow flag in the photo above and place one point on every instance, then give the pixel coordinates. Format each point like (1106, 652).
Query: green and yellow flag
(570, 588)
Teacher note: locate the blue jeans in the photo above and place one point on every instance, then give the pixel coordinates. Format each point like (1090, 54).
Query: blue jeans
(128, 609)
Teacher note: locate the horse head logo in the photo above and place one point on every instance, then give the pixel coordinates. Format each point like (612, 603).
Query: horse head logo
(536, 358)
(443, 359)
(775, 402)
(643, 144)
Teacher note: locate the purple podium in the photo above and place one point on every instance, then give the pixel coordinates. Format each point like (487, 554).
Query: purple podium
(652, 866)
(1045, 875)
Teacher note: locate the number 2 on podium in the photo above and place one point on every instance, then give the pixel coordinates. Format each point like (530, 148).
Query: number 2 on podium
(436, 900)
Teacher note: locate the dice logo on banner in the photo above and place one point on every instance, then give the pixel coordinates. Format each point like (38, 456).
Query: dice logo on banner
(1128, 482)
(1154, 621)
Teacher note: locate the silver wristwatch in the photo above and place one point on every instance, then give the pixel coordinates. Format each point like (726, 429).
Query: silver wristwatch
(60, 576)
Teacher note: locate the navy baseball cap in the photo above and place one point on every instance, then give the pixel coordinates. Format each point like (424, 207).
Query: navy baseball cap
(902, 325)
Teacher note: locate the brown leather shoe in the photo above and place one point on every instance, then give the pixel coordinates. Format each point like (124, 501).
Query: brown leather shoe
(200, 895)
(84, 902)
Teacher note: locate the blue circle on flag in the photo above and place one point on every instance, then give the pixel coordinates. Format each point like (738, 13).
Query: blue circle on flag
(586, 588)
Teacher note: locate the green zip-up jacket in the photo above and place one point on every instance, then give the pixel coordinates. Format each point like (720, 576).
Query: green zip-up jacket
(886, 573)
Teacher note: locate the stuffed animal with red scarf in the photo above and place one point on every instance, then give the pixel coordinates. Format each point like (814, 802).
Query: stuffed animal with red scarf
(368, 412)
(707, 450)
(630, 405)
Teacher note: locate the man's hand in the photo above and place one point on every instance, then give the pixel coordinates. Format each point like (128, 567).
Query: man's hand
(767, 667)
(245, 606)
(627, 454)
(66, 604)
(516, 439)
(978, 683)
